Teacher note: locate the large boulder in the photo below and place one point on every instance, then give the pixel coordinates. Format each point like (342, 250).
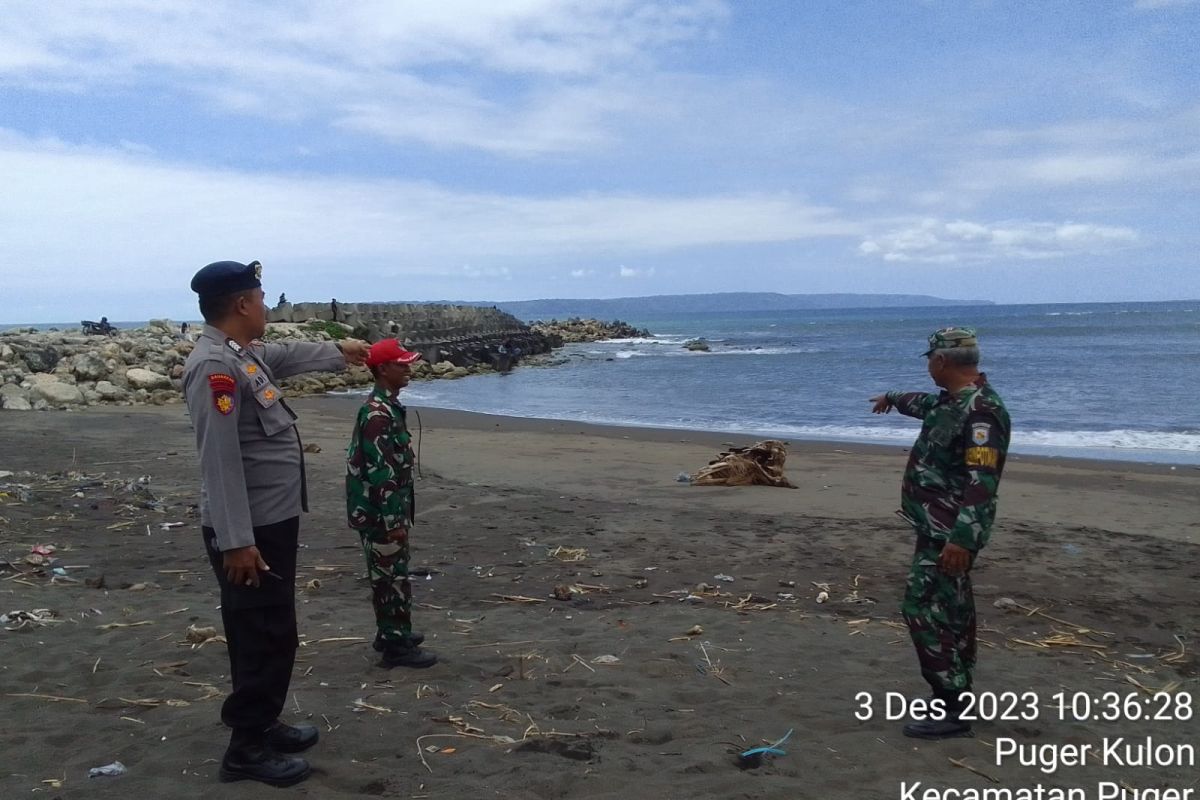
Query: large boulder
(108, 392)
(14, 403)
(41, 359)
(57, 393)
(89, 367)
(145, 379)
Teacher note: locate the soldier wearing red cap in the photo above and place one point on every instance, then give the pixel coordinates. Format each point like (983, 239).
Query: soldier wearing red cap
(380, 500)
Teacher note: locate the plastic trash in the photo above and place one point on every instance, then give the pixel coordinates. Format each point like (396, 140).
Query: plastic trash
(723, 577)
(683, 477)
(112, 770)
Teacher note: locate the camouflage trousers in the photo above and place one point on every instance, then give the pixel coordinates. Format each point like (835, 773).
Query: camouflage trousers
(391, 590)
(940, 612)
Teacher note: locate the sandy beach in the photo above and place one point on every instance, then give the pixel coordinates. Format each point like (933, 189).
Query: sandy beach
(644, 683)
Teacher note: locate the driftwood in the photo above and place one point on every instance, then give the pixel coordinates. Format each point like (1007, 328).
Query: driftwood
(761, 464)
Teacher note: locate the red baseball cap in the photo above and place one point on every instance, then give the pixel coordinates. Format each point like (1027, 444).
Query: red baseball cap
(387, 350)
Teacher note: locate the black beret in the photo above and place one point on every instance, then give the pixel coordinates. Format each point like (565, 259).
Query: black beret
(226, 277)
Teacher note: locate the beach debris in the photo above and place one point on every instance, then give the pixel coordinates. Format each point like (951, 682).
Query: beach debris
(752, 758)
(708, 667)
(569, 553)
(785, 596)
(608, 659)
(683, 477)
(516, 598)
(313, 586)
(760, 464)
(361, 705)
(695, 630)
(199, 635)
(964, 765)
(166, 526)
(141, 587)
(34, 618)
(312, 448)
(720, 576)
(561, 592)
(1004, 603)
(822, 596)
(788, 584)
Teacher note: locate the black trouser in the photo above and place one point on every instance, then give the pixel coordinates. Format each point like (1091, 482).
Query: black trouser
(260, 628)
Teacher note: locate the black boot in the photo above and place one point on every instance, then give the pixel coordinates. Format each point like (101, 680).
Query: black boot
(284, 738)
(950, 727)
(249, 758)
(415, 638)
(404, 655)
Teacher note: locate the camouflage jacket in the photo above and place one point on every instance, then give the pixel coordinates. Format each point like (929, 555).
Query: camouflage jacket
(953, 472)
(379, 467)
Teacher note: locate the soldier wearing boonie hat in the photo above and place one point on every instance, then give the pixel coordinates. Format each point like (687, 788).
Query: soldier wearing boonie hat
(380, 502)
(948, 495)
(253, 491)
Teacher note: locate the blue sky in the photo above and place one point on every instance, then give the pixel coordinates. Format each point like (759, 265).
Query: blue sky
(470, 149)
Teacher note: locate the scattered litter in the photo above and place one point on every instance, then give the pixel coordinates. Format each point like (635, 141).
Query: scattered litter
(34, 618)
(683, 477)
(113, 769)
(312, 448)
(606, 660)
(695, 630)
(200, 635)
(1004, 603)
(561, 592)
(720, 576)
(749, 759)
(787, 584)
(785, 595)
(166, 526)
(569, 553)
(142, 587)
(43, 549)
(313, 586)
(822, 597)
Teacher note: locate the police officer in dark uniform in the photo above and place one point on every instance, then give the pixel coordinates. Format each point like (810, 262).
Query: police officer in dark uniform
(252, 494)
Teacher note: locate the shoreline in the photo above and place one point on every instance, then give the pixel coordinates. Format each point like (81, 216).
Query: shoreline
(667, 434)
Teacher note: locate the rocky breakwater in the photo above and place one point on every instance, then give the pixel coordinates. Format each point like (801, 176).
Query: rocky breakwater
(586, 330)
(54, 369)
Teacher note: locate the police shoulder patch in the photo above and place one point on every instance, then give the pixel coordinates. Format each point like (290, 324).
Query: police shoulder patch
(223, 388)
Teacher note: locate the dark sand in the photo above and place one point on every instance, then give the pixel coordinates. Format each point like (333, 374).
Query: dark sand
(1106, 547)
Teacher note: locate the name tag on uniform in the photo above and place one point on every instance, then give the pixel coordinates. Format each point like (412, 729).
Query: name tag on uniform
(257, 377)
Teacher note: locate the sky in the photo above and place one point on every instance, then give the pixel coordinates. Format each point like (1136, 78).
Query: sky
(520, 149)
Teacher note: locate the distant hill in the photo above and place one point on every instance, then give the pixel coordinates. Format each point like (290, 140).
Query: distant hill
(725, 302)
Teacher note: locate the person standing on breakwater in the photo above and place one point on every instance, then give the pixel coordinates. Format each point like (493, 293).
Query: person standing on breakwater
(253, 491)
(949, 497)
(380, 503)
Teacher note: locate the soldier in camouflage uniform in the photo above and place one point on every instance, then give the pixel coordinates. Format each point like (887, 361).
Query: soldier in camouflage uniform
(379, 503)
(949, 497)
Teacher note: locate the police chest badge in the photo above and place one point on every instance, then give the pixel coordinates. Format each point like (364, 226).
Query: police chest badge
(980, 432)
(223, 388)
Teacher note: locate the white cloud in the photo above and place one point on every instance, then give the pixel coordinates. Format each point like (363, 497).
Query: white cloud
(937, 242)
(582, 273)
(630, 272)
(136, 220)
(487, 272)
(403, 72)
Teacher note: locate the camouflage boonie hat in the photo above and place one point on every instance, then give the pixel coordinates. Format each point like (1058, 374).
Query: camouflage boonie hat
(949, 338)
